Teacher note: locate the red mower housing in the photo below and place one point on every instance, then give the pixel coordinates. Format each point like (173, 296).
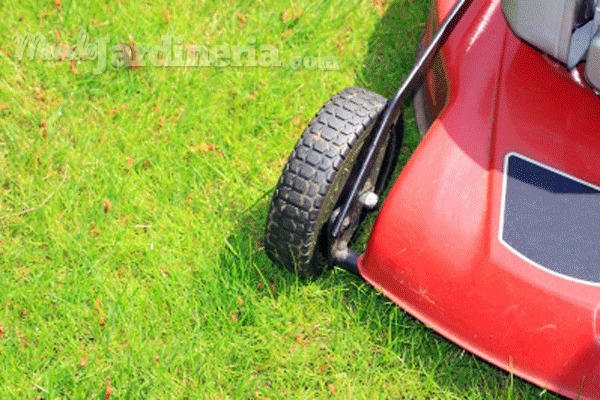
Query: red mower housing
(490, 234)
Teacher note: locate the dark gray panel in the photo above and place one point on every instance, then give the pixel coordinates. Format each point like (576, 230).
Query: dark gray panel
(552, 219)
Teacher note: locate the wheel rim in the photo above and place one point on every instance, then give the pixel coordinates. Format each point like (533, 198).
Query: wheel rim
(376, 182)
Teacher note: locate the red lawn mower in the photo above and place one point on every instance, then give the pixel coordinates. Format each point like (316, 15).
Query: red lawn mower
(491, 232)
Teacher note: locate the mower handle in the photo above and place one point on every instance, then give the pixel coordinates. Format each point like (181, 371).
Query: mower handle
(393, 109)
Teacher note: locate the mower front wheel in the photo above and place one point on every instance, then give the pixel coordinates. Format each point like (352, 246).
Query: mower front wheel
(317, 175)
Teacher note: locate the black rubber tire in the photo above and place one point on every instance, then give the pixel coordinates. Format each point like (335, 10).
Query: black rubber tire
(315, 177)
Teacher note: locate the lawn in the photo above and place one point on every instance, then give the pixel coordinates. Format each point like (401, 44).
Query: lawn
(134, 197)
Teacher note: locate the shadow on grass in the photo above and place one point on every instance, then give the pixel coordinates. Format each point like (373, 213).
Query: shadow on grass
(442, 367)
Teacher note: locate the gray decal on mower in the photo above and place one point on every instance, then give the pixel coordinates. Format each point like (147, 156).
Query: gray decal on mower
(551, 219)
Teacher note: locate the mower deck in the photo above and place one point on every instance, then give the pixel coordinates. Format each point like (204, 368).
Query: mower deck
(518, 130)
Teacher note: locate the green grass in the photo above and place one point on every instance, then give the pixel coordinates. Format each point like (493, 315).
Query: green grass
(133, 204)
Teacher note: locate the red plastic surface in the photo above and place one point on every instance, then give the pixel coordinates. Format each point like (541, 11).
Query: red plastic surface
(435, 250)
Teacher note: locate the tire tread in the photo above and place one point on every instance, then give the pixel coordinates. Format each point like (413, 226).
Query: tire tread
(296, 218)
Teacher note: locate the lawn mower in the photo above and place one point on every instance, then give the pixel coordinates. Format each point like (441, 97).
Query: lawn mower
(490, 234)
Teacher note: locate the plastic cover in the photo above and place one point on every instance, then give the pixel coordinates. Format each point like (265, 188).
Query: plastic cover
(548, 24)
(592, 68)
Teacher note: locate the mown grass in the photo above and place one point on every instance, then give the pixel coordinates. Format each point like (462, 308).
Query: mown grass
(133, 204)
